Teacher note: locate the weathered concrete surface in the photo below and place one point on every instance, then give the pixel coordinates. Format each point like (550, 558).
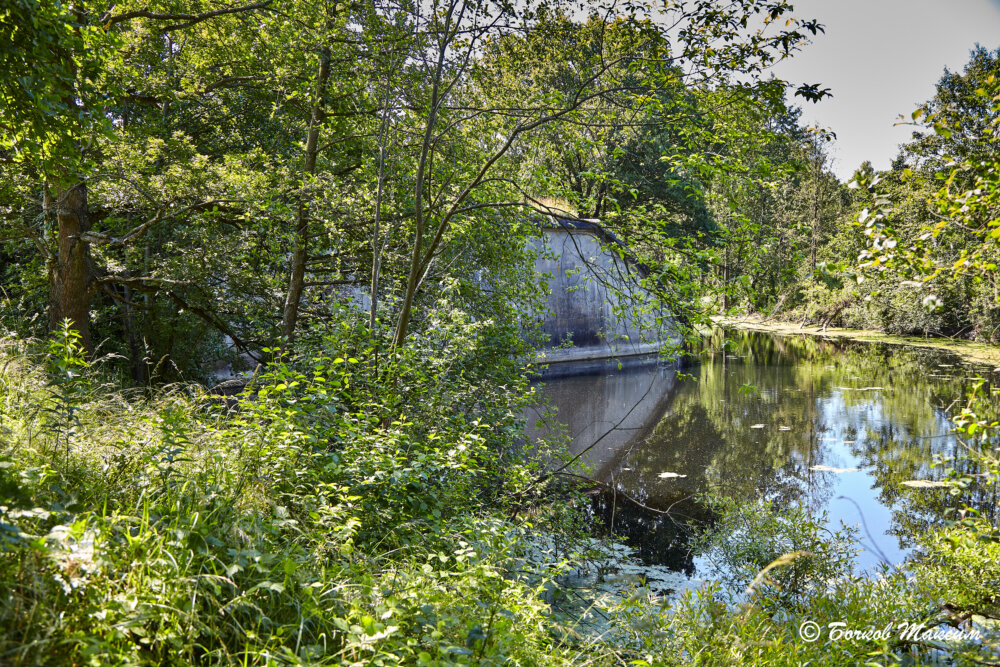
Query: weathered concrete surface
(597, 309)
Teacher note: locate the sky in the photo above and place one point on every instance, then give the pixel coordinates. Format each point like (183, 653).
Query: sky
(881, 58)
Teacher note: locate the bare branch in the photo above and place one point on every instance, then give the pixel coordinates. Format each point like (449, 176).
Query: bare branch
(188, 19)
(96, 238)
(143, 281)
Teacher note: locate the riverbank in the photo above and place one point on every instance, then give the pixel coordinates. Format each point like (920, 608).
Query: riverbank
(283, 526)
(981, 353)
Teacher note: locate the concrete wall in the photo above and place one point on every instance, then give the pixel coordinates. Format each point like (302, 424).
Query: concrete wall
(586, 283)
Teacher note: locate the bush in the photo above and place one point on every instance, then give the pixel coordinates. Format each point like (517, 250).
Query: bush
(308, 521)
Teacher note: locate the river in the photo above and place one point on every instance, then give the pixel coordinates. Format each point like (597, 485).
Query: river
(836, 426)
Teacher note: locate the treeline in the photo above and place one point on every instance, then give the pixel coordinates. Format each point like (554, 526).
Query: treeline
(911, 251)
(220, 174)
(343, 192)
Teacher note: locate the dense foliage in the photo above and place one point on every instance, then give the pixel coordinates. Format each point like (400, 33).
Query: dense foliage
(927, 266)
(216, 173)
(336, 199)
(293, 524)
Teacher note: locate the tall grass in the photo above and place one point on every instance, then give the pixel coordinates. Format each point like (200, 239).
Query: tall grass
(295, 525)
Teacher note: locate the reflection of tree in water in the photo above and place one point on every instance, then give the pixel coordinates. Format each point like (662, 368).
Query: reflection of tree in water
(892, 456)
(770, 465)
(894, 460)
(657, 539)
(880, 404)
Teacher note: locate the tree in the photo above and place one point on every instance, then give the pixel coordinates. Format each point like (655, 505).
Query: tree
(957, 238)
(186, 162)
(958, 119)
(77, 91)
(622, 57)
(192, 154)
(49, 118)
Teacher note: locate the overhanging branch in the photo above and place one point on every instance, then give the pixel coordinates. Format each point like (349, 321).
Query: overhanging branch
(188, 19)
(97, 238)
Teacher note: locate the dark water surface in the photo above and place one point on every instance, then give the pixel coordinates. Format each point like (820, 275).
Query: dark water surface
(834, 425)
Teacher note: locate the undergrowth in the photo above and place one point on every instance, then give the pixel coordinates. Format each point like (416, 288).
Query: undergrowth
(306, 521)
(314, 520)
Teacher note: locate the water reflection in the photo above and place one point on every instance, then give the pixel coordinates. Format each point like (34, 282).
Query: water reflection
(606, 413)
(834, 425)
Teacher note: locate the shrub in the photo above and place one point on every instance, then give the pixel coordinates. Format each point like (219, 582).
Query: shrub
(309, 521)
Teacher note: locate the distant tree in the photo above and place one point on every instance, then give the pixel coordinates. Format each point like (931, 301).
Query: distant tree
(964, 116)
(953, 172)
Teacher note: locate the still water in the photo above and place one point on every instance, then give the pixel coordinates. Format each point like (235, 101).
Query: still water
(836, 426)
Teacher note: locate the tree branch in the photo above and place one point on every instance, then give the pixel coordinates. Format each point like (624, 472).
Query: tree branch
(96, 238)
(189, 19)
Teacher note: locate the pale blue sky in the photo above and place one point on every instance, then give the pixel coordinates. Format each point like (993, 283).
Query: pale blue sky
(881, 59)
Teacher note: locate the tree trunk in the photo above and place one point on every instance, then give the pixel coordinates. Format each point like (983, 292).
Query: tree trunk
(72, 277)
(817, 195)
(725, 279)
(296, 280)
(416, 255)
(376, 240)
(415, 276)
(814, 237)
(137, 363)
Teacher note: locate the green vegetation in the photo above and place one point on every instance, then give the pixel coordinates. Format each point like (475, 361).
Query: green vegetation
(909, 251)
(336, 199)
(292, 525)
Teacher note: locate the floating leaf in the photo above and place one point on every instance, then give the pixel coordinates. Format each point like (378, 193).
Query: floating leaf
(669, 475)
(757, 426)
(784, 428)
(860, 388)
(836, 471)
(924, 484)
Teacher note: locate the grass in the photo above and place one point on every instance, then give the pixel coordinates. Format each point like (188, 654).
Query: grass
(290, 528)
